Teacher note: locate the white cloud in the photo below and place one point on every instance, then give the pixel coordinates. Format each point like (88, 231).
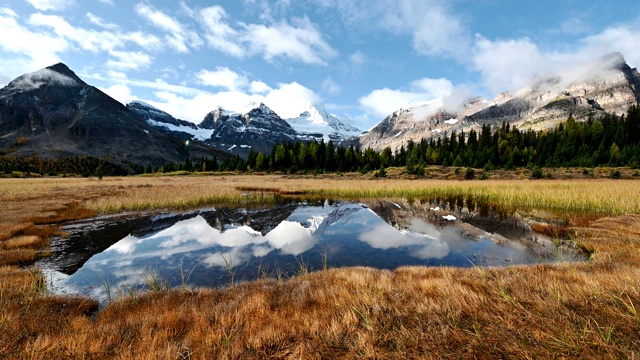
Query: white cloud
(382, 102)
(55, 5)
(508, 64)
(432, 25)
(31, 50)
(89, 40)
(128, 60)
(222, 77)
(286, 99)
(144, 40)
(511, 64)
(623, 39)
(259, 87)
(220, 35)
(299, 40)
(97, 20)
(289, 100)
(36, 79)
(178, 37)
(106, 2)
(120, 92)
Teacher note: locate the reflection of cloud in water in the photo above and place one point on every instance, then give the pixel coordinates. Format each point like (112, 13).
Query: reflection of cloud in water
(291, 238)
(125, 246)
(383, 236)
(185, 231)
(232, 258)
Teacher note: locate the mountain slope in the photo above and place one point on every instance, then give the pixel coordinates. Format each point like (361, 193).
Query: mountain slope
(317, 122)
(609, 85)
(258, 128)
(61, 116)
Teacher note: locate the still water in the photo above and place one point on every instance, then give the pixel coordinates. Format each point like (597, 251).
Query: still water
(112, 256)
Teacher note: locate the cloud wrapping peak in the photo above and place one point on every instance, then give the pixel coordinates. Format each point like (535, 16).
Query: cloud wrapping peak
(382, 102)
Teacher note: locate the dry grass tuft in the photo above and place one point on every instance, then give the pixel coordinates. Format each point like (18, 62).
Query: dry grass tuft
(573, 310)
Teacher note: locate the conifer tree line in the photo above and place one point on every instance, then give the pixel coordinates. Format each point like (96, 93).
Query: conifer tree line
(78, 165)
(607, 141)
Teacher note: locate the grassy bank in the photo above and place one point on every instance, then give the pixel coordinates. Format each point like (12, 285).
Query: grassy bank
(585, 310)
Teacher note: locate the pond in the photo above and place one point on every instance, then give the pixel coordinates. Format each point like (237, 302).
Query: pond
(111, 256)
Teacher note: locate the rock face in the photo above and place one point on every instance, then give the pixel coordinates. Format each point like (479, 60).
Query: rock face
(62, 116)
(163, 121)
(258, 128)
(609, 85)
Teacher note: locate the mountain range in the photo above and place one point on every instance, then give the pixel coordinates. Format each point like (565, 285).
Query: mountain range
(608, 85)
(52, 113)
(256, 128)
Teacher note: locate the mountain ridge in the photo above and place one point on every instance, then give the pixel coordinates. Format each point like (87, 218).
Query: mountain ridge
(61, 116)
(608, 86)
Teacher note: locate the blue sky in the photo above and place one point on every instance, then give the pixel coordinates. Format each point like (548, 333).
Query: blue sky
(363, 59)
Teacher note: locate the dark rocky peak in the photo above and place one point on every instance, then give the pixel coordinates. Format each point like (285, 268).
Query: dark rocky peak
(63, 69)
(614, 60)
(254, 110)
(214, 117)
(58, 75)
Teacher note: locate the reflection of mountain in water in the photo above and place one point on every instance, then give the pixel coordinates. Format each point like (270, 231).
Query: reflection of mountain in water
(92, 236)
(286, 237)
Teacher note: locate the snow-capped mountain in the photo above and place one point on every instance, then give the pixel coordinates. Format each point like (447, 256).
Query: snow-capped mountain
(257, 127)
(608, 85)
(317, 121)
(166, 123)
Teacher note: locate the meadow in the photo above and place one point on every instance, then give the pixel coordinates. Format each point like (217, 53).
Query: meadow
(566, 310)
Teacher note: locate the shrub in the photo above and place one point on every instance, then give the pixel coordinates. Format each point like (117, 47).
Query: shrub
(615, 174)
(470, 173)
(537, 173)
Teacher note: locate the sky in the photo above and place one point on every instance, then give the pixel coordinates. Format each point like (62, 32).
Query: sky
(362, 59)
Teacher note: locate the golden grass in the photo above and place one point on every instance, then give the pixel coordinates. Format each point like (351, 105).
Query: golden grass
(579, 310)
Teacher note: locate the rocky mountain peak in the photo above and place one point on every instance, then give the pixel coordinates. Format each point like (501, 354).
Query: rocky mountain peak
(606, 84)
(63, 69)
(259, 109)
(63, 116)
(58, 75)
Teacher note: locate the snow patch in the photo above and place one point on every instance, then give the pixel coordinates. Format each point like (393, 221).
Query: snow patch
(245, 146)
(449, 217)
(198, 134)
(146, 105)
(451, 121)
(437, 208)
(437, 130)
(231, 148)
